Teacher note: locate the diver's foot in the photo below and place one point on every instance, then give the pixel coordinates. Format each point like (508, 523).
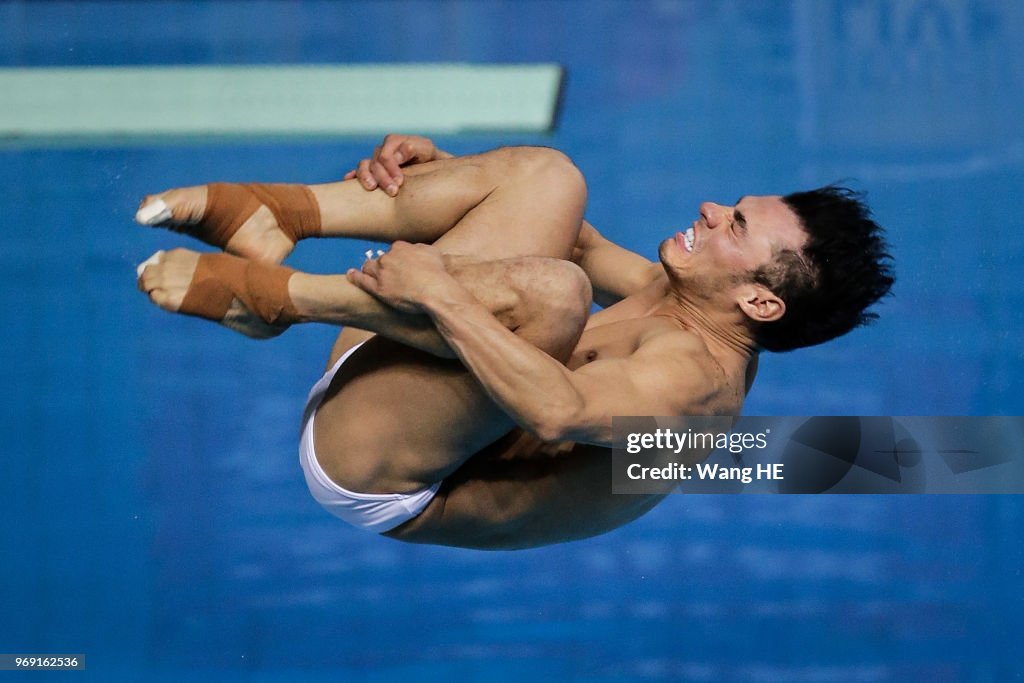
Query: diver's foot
(246, 296)
(257, 221)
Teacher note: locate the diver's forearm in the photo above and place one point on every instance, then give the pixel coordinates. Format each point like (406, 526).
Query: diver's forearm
(332, 299)
(532, 387)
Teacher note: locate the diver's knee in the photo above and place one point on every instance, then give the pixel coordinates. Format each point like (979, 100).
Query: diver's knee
(556, 307)
(555, 169)
(543, 165)
(561, 290)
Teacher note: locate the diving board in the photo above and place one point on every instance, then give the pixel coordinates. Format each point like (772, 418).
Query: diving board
(287, 100)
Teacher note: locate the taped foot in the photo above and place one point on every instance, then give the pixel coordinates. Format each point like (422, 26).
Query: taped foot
(246, 296)
(261, 222)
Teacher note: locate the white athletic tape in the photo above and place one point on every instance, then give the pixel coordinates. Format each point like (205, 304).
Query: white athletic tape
(152, 260)
(153, 213)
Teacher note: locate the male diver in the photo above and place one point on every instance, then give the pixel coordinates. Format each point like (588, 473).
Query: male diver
(469, 399)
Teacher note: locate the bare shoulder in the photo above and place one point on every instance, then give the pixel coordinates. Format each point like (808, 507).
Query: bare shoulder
(677, 350)
(679, 361)
(671, 339)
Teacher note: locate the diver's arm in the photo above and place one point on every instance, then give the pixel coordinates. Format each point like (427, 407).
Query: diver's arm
(615, 272)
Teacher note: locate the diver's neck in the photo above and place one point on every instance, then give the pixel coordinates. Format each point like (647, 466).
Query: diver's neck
(724, 333)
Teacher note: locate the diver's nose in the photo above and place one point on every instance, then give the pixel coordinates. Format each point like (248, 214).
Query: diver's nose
(711, 213)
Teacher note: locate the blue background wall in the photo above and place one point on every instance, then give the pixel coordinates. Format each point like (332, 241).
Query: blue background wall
(152, 511)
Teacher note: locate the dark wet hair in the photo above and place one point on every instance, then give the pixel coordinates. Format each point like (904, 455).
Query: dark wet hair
(828, 286)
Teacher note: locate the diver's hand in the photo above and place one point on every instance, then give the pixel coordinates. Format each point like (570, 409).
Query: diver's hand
(384, 168)
(408, 277)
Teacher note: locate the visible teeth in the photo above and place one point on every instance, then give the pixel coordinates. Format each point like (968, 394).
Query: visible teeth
(688, 239)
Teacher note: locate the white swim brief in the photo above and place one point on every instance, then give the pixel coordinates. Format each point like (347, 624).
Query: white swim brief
(376, 512)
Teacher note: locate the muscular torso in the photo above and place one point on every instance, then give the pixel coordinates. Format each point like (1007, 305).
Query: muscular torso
(522, 492)
(609, 338)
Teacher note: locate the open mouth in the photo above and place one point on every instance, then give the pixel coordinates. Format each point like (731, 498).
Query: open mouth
(686, 239)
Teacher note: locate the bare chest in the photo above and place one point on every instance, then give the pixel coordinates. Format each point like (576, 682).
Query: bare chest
(611, 340)
(611, 335)
(614, 332)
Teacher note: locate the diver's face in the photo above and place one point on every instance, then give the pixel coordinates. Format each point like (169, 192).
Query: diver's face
(727, 243)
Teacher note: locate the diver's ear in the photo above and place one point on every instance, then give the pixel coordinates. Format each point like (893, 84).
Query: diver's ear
(760, 304)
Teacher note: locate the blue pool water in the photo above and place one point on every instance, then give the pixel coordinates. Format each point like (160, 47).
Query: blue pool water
(152, 512)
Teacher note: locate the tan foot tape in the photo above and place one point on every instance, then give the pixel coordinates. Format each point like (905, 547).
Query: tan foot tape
(229, 205)
(219, 278)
